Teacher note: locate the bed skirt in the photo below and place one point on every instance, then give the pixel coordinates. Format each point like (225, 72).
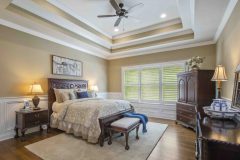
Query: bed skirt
(77, 130)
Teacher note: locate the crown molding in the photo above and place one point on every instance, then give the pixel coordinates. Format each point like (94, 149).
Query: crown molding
(156, 37)
(226, 16)
(159, 49)
(22, 24)
(149, 28)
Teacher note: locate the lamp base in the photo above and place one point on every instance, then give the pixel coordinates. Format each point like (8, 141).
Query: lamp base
(36, 108)
(36, 101)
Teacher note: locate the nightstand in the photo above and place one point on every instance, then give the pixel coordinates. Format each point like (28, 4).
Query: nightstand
(29, 119)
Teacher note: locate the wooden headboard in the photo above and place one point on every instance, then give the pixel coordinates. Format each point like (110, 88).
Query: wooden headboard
(62, 84)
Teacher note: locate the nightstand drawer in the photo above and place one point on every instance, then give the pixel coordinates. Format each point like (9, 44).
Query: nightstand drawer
(35, 119)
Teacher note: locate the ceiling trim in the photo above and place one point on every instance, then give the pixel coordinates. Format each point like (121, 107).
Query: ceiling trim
(37, 10)
(148, 28)
(159, 49)
(226, 16)
(59, 5)
(156, 37)
(16, 22)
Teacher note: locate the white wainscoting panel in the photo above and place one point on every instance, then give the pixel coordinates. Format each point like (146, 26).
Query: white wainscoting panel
(156, 110)
(8, 106)
(151, 110)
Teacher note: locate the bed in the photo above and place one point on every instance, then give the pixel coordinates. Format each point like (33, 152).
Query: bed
(96, 113)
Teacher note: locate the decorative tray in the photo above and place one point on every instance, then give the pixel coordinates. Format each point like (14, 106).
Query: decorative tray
(229, 113)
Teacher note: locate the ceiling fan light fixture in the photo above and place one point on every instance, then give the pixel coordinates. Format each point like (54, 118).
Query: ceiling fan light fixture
(163, 15)
(116, 29)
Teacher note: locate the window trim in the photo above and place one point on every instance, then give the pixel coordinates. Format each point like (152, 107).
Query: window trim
(141, 67)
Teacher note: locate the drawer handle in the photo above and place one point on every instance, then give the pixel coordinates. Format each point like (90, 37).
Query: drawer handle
(36, 115)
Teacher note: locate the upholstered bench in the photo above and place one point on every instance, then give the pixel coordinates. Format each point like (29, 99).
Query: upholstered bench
(124, 126)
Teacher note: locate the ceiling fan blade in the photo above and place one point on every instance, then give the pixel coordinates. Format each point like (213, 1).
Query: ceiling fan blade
(106, 16)
(118, 22)
(138, 5)
(115, 5)
(134, 18)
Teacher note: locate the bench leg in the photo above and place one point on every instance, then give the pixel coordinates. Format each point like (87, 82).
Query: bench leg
(126, 136)
(137, 137)
(110, 137)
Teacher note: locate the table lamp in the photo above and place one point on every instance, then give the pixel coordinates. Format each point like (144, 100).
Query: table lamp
(36, 89)
(95, 89)
(219, 76)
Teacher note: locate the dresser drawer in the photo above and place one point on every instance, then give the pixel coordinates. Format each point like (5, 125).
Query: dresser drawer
(187, 120)
(186, 107)
(185, 113)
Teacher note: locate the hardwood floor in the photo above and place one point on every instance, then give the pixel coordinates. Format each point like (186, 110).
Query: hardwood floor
(177, 143)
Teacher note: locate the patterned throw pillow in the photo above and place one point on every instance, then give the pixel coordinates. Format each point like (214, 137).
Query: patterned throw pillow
(82, 95)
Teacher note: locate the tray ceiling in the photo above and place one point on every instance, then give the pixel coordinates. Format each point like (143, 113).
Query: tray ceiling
(147, 15)
(74, 23)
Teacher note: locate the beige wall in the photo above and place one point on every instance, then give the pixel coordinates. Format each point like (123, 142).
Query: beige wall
(228, 50)
(25, 59)
(114, 66)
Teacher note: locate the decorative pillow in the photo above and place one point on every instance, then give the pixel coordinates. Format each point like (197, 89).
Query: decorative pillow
(72, 95)
(58, 95)
(65, 96)
(82, 94)
(91, 94)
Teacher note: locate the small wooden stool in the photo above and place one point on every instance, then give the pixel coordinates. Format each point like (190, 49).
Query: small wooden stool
(124, 126)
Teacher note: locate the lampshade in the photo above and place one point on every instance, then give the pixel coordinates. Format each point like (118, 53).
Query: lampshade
(238, 68)
(220, 74)
(94, 88)
(36, 88)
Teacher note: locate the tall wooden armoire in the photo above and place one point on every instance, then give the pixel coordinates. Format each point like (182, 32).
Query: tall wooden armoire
(195, 89)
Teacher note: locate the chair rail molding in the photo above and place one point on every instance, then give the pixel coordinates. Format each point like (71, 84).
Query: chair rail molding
(8, 106)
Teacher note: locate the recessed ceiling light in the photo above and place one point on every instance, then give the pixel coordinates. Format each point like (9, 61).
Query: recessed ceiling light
(163, 15)
(116, 29)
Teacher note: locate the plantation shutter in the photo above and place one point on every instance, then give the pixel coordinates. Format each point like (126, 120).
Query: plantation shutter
(150, 84)
(169, 82)
(131, 84)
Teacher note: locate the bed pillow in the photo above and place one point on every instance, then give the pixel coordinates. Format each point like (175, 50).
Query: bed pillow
(91, 94)
(65, 96)
(82, 95)
(58, 95)
(73, 95)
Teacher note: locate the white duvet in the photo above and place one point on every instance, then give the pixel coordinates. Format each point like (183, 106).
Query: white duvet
(81, 116)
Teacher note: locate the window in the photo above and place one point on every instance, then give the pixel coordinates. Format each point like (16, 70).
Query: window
(152, 83)
(169, 82)
(131, 84)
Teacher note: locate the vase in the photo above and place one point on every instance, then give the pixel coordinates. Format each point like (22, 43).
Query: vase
(195, 67)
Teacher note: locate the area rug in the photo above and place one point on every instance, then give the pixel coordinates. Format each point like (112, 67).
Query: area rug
(67, 147)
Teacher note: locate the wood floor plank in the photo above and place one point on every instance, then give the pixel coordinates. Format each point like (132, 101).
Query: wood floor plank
(177, 143)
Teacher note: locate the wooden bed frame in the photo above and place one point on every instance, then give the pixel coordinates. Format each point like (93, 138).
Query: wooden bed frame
(81, 84)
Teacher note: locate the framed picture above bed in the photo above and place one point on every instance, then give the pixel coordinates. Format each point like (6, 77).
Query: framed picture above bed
(66, 66)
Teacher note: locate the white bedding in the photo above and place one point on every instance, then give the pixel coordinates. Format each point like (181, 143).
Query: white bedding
(80, 116)
(57, 107)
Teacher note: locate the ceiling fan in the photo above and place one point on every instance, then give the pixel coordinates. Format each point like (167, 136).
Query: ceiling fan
(120, 11)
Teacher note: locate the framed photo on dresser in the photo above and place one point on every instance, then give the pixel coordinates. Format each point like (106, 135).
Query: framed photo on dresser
(66, 66)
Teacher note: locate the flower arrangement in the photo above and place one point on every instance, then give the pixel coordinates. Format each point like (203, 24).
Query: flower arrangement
(195, 62)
